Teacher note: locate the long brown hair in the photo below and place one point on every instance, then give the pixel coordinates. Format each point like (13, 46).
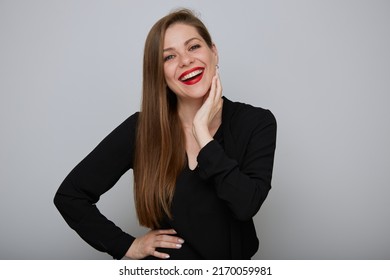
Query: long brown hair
(160, 143)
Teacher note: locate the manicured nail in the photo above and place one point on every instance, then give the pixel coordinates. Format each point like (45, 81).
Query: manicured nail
(178, 245)
(180, 240)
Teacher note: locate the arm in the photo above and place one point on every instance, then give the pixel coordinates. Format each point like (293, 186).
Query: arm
(243, 185)
(93, 176)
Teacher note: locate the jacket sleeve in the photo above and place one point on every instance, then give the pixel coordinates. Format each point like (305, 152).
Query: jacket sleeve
(93, 176)
(243, 183)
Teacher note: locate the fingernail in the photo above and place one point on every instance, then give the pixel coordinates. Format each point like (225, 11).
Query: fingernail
(180, 240)
(178, 245)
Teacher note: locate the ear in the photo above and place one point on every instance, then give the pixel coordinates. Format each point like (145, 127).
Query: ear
(215, 51)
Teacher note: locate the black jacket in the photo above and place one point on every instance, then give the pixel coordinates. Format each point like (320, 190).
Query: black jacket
(240, 169)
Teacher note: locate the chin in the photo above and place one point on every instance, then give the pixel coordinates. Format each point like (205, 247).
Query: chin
(196, 91)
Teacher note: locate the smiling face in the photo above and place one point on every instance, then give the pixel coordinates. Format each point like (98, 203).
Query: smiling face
(189, 63)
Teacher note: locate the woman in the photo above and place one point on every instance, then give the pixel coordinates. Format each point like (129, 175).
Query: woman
(202, 163)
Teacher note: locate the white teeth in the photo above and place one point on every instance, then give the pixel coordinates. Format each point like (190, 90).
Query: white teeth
(192, 74)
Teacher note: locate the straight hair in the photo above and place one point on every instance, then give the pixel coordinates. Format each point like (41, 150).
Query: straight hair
(160, 143)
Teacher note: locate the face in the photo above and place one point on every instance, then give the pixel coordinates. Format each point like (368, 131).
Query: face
(189, 63)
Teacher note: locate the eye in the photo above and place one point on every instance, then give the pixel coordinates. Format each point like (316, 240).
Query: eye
(194, 47)
(169, 57)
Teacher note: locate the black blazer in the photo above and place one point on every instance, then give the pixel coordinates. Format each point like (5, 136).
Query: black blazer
(241, 171)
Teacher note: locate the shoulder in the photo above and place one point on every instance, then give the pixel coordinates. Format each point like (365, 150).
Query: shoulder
(243, 115)
(132, 119)
(124, 133)
(244, 124)
(129, 123)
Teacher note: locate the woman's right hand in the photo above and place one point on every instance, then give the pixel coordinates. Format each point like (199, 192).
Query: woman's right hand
(146, 245)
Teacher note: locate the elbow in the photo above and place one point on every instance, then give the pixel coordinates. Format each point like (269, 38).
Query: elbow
(244, 215)
(246, 210)
(58, 201)
(65, 208)
(62, 201)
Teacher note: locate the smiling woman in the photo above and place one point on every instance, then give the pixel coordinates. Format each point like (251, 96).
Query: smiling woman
(202, 163)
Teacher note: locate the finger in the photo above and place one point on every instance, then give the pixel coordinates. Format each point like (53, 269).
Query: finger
(218, 88)
(164, 231)
(167, 244)
(210, 101)
(212, 89)
(169, 238)
(160, 255)
(217, 71)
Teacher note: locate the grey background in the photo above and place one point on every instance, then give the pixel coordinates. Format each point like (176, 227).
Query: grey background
(70, 72)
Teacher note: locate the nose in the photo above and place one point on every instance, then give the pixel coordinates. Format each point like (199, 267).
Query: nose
(185, 59)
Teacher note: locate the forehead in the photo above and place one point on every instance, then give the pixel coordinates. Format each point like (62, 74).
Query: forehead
(177, 34)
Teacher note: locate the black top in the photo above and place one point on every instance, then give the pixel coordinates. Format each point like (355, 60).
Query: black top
(213, 205)
(196, 208)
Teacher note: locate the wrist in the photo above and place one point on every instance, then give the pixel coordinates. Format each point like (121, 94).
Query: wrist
(131, 251)
(202, 135)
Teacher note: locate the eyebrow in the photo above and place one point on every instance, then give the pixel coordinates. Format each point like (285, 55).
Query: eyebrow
(185, 44)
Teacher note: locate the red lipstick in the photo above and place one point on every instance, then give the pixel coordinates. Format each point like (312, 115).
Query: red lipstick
(192, 76)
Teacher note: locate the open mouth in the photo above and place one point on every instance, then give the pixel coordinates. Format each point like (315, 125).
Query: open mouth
(192, 76)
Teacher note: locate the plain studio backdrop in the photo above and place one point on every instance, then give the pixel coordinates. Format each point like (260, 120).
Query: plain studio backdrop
(70, 72)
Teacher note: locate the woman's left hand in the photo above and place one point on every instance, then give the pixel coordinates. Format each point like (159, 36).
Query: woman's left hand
(209, 110)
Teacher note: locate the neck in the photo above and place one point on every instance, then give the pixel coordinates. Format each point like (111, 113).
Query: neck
(187, 110)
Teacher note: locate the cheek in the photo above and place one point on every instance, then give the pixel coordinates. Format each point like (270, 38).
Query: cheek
(169, 78)
(169, 73)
